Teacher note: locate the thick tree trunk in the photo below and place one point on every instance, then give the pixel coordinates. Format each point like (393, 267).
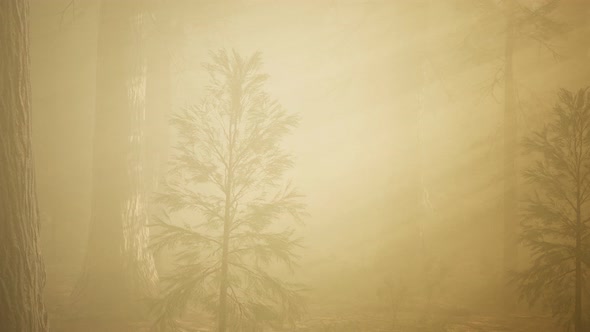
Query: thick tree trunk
(510, 197)
(119, 269)
(158, 96)
(158, 107)
(22, 275)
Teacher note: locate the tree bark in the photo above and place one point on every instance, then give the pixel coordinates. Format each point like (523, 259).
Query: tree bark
(119, 268)
(22, 274)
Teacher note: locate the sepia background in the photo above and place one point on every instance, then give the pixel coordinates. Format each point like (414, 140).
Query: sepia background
(400, 152)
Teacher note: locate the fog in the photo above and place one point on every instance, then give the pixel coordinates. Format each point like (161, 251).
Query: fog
(417, 185)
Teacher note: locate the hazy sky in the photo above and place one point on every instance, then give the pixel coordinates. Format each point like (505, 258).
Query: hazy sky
(337, 64)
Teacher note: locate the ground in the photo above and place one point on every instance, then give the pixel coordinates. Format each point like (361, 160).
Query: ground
(322, 318)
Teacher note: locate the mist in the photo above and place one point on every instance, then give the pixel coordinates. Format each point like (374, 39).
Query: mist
(254, 165)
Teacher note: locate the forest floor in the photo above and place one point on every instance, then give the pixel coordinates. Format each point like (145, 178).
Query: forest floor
(342, 322)
(412, 322)
(320, 318)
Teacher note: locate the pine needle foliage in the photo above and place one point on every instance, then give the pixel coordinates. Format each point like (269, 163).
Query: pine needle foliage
(224, 199)
(556, 220)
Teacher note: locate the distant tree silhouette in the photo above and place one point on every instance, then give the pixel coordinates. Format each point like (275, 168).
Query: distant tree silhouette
(118, 268)
(511, 21)
(414, 253)
(225, 182)
(556, 225)
(22, 275)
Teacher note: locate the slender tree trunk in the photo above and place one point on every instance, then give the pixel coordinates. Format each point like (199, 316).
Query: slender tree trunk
(579, 280)
(510, 145)
(426, 249)
(421, 102)
(228, 214)
(416, 61)
(22, 274)
(119, 269)
(222, 312)
(408, 103)
(579, 254)
(227, 220)
(406, 97)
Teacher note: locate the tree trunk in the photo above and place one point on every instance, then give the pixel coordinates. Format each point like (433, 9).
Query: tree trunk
(119, 268)
(579, 277)
(422, 82)
(22, 274)
(228, 214)
(222, 312)
(510, 238)
(158, 95)
(579, 255)
(416, 61)
(158, 107)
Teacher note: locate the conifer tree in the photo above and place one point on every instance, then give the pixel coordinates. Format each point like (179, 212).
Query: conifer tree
(225, 189)
(556, 224)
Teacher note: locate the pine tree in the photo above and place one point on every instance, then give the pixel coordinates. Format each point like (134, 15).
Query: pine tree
(556, 224)
(226, 178)
(513, 21)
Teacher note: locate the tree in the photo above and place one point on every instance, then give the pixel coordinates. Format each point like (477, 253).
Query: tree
(513, 21)
(22, 275)
(227, 168)
(119, 267)
(409, 256)
(555, 226)
(160, 45)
